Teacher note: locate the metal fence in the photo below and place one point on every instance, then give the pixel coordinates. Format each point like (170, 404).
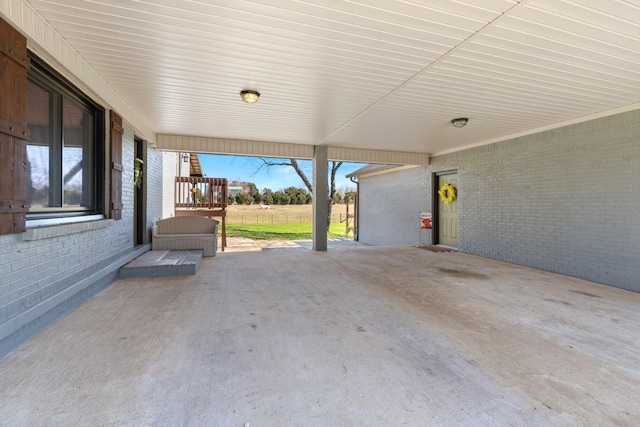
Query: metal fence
(278, 215)
(268, 218)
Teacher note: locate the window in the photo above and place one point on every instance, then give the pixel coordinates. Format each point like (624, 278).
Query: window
(65, 153)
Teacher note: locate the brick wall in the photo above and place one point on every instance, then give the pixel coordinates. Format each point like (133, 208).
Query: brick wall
(565, 200)
(155, 186)
(127, 174)
(40, 270)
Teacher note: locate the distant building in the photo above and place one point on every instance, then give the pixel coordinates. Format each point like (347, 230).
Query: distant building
(235, 189)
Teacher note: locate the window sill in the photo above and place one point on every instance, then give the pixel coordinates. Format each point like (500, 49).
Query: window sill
(48, 228)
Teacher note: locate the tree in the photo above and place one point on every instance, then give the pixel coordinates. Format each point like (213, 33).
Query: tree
(349, 197)
(294, 164)
(276, 197)
(253, 193)
(285, 199)
(338, 197)
(252, 188)
(280, 198)
(243, 198)
(267, 196)
(298, 196)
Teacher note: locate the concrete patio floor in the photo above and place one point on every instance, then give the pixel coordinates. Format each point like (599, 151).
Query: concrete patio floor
(356, 336)
(245, 244)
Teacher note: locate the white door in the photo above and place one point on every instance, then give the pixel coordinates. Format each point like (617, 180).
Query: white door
(448, 214)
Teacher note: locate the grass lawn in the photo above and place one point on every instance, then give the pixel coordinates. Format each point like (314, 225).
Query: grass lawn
(281, 231)
(289, 222)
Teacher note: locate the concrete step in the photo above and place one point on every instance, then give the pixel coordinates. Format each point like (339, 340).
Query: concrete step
(163, 263)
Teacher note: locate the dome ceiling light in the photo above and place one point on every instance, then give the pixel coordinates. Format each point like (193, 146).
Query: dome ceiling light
(459, 122)
(250, 96)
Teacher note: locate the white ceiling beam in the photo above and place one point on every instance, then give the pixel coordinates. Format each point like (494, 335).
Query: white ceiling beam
(194, 144)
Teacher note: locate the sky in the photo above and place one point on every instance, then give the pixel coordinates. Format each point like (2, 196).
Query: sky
(247, 169)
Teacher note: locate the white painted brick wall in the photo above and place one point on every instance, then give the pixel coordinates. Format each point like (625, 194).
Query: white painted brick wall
(33, 271)
(155, 186)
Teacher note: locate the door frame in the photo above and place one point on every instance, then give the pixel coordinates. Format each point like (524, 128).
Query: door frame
(140, 232)
(436, 203)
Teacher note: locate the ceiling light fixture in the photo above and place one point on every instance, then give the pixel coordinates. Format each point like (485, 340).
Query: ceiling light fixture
(459, 122)
(250, 96)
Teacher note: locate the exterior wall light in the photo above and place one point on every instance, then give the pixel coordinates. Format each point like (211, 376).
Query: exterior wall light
(250, 96)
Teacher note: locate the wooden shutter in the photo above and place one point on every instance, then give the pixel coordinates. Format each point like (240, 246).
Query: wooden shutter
(14, 64)
(115, 141)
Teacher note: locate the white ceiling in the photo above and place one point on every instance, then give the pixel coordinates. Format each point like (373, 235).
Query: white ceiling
(374, 74)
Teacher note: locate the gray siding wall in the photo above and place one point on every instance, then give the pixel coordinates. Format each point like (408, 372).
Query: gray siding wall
(565, 200)
(390, 206)
(169, 173)
(47, 271)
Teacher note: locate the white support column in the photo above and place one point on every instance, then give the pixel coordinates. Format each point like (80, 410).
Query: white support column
(320, 198)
